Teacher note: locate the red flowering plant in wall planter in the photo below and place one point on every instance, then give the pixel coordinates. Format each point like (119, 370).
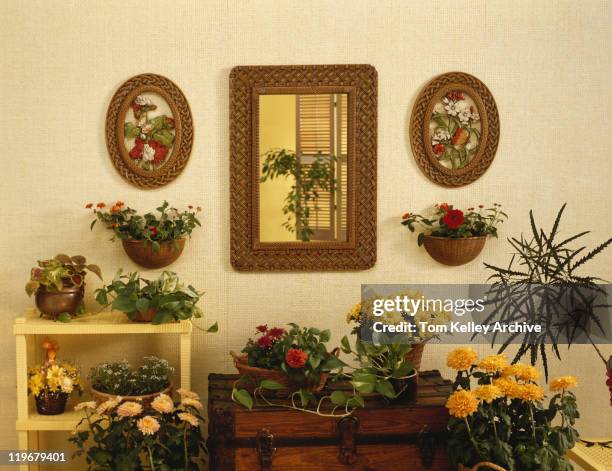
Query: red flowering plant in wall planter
(452, 236)
(293, 362)
(152, 240)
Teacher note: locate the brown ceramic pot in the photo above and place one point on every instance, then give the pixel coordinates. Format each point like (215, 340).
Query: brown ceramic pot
(141, 252)
(145, 399)
(53, 303)
(147, 317)
(51, 405)
(405, 388)
(454, 252)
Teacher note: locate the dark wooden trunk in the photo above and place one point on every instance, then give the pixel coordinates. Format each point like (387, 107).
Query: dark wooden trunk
(380, 437)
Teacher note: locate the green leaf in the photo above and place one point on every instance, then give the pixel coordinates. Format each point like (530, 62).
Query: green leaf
(325, 335)
(155, 246)
(385, 388)
(130, 130)
(101, 297)
(243, 398)
(64, 317)
(338, 398)
(345, 345)
(31, 287)
(95, 269)
(164, 137)
(213, 328)
(124, 304)
(332, 362)
(142, 305)
(271, 385)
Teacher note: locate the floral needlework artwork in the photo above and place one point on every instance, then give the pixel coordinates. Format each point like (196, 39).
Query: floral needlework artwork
(455, 129)
(149, 131)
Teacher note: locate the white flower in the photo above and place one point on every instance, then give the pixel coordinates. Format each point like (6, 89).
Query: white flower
(148, 153)
(475, 116)
(450, 106)
(143, 100)
(147, 128)
(439, 136)
(67, 385)
(463, 110)
(142, 121)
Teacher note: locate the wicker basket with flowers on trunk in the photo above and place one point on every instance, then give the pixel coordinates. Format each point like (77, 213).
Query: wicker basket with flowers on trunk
(499, 419)
(454, 237)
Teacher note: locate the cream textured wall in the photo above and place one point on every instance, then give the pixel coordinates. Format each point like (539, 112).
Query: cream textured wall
(547, 63)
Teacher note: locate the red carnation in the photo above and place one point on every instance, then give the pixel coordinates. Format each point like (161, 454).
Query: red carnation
(153, 231)
(296, 358)
(439, 149)
(89, 205)
(455, 96)
(262, 328)
(453, 218)
(136, 152)
(100, 205)
(444, 207)
(276, 332)
(405, 215)
(264, 342)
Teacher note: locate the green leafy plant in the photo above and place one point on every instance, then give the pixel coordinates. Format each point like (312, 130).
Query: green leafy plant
(446, 221)
(503, 419)
(307, 182)
(59, 272)
(300, 353)
(127, 436)
(167, 224)
(542, 271)
(167, 298)
(380, 365)
(154, 375)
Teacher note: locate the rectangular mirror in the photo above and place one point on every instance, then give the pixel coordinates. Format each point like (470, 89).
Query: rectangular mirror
(307, 173)
(303, 172)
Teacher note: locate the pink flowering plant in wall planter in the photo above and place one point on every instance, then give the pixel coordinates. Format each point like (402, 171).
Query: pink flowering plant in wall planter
(452, 236)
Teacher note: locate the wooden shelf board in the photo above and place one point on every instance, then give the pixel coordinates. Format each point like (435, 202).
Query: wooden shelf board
(66, 421)
(95, 324)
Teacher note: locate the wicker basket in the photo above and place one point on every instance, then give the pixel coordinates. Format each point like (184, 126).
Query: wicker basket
(485, 465)
(415, 355)
(241, 362)
(51, 405)
(145, 399)
(454, 252)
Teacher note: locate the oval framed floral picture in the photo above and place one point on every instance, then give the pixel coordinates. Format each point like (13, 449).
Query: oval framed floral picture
(149, 130)
(454, 129)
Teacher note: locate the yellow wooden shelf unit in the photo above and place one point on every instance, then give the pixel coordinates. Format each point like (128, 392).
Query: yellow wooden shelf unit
(26, 328)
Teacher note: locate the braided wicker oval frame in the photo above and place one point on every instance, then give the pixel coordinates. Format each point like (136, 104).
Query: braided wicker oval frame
(420, 135)
(359, 252)
(183, 141)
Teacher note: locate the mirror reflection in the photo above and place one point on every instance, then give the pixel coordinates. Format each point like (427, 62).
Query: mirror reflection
(303, 160)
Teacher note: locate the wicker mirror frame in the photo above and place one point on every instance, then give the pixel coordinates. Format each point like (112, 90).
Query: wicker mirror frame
(420, 137)
(248, 253)
(183, 140)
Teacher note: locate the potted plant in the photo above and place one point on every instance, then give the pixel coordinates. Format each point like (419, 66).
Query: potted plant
(152, 240)
(158, 301)
(59, 284)
(501, 421)
(454, 237)
(53, 382)
(362, 319)
(124, 434)
(110, 380)
(383, 369)
(544, 284)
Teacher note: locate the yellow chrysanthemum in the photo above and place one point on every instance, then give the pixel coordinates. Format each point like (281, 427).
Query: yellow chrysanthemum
(353, 314)
(462, 404)
(108, 405)
(85, 405)
(35, 384)
(488, 393)
(188, 402)
(189, 418)
(55, 374)
(508, 386)
(530, 392)
(493, 363)
(563, 382)
(163, 404)
(187, 393)
(148, 425)
(461, 358)
(521, 372)
(129, 409)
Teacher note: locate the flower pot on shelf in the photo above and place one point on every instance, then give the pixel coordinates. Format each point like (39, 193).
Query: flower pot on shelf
(241, 362)
(485, 466)
(47, 404)
(146, 317)
(454, 251)
(144, 399)
(141, 252)
(53, 303)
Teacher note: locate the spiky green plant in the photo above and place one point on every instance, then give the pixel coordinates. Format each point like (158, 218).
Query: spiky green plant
(541, 270)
